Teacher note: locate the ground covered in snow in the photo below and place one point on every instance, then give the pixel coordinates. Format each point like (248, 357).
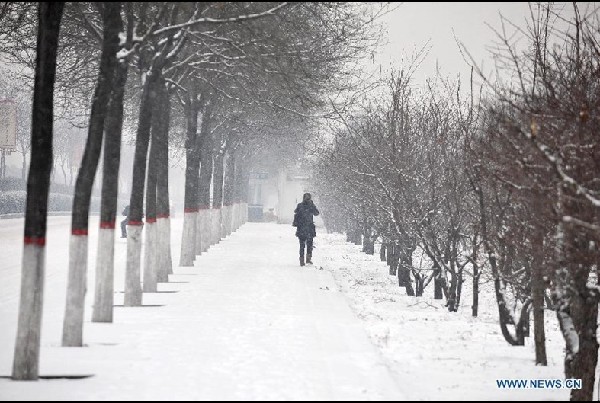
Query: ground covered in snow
(437, 354)
(245, 323)
(248, 323)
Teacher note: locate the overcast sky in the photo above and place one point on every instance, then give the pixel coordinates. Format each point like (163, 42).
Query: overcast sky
(411, 25)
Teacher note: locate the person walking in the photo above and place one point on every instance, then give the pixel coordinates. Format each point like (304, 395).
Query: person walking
(125, 222)
(305, 228)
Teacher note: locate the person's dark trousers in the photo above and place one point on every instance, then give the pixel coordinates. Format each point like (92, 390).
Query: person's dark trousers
(308, 242)
(124, 228)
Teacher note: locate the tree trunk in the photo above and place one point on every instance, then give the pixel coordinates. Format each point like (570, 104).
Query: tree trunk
(218, 175)
(150, 261)
(460, 280)
(382, 252)
(228, 191)
(368, 241)
(578, 318)
(133, 289)
(27, 346)
(206, 175)
(404, 269)
(504, 316)
(104, 291)
(475, 306)
(537, 294)
(357, 238)
(163, 209)
(192, 146)
(452, 291)
(240, 169)
(77, 281)
(214, 225)
(241, 191)
(438, 288)
(584, 363)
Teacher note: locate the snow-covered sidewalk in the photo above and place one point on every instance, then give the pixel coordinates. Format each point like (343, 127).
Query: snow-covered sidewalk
(246, 323)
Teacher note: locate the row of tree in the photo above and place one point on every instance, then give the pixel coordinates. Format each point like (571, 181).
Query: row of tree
(212, 78)
(506, 186)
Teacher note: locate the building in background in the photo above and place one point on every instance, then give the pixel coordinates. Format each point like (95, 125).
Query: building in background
(292, 183)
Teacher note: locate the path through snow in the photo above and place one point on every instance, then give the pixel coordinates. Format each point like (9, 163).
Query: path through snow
(245, 323)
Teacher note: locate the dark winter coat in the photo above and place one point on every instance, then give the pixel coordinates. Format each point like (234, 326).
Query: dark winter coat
(303, 220)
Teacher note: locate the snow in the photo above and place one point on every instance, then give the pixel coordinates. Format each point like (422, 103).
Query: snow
(247, 323)
(123, 53)
(435, 353)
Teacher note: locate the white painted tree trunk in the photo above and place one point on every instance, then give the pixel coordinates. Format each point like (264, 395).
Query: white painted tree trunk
(234, 211)
(219, 225)
(229, 221)
(168, 245)
(205, 217)
(188, 240)
(201, 231)
(27, 347)
(133, 288)
(233, 219)
(222, 225)
(207, 229)
(215, 226)
(76, 289)
(104, 290)
(150, 264)
(163, 249)
(199, 234)
(211, 223)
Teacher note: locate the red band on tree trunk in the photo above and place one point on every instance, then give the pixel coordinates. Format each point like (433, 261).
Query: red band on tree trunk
(162, 216)
(190, 210)
(31, 240)
(107, 225)
(150, 220)
(79, 232)
(135, 223)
